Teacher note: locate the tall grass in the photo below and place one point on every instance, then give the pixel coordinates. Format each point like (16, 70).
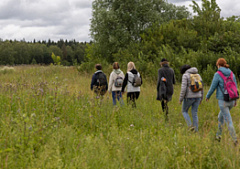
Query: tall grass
(51, 119)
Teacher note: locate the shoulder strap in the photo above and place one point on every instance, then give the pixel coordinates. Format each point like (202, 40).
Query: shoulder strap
(222, 75)
(231, 75)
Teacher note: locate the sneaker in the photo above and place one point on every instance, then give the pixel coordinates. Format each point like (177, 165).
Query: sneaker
(235, 143)
(191, 128)
(218, 138)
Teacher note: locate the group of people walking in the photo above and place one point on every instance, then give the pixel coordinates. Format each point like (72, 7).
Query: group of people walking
(191, 95)
(117, 83)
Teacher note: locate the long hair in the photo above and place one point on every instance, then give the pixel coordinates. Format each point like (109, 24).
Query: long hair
(222, 62)
(130, 66)
(184, 68)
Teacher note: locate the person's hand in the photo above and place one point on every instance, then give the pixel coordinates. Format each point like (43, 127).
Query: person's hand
(207, 99)
(180, 102)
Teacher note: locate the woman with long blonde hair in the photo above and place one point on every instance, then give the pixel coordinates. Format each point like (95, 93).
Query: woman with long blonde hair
(133, 82)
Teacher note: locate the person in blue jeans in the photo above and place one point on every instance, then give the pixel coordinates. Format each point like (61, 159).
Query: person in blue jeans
(113, 87)
(190, 98)
(225, 106)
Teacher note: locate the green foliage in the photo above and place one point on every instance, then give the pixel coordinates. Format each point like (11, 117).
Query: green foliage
(21, 52)
(197, 41)
(115, 24)
(56, 59)
(51, 119)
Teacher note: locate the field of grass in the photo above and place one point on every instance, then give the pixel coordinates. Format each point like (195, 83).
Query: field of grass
(50, 119)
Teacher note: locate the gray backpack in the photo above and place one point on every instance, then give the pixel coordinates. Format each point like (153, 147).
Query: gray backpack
(137, 81)
(118, 81)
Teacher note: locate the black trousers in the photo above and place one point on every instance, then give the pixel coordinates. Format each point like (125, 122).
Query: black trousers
(132, 97)
(164, 106)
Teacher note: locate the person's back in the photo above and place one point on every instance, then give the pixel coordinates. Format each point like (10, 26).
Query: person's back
(191, 95)
(186, 91)
(225, 106)
(133, 90)
(115, 83)
(166, 79)
(99, 81)
(167, 73)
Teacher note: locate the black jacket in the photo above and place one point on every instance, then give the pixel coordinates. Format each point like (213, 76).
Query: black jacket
(167, 73)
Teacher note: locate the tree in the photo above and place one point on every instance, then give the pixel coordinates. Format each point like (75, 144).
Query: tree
(207, 21)
(117, 23)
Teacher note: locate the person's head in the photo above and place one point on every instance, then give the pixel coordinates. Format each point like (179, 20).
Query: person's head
(221, 62)
(184, 68)
(130, 66)
(116, 65)
(164, 62)
(98, 66)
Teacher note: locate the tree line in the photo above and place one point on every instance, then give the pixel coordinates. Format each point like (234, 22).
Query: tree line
(142, 31)
(15, 52)
(145, 31)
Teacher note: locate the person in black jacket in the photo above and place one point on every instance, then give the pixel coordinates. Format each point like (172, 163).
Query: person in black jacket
(166, 79)
(99, 81)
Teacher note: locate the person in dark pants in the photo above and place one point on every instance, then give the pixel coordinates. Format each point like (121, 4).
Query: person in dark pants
(166, 79)
(99, 81)
(133, 90)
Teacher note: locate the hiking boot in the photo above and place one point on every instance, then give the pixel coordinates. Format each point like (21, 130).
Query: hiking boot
(235, 143)
(218, 138)
(191, 128)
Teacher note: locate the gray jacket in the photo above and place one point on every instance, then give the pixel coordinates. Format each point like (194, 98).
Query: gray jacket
(186, 92)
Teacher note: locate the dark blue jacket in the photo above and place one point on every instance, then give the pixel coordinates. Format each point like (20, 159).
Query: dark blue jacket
(94, 79)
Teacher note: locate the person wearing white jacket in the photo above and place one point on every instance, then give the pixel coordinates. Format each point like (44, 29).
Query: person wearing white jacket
(115, 83)
(133, 91)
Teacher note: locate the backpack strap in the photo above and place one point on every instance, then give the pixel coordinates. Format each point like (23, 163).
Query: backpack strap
(224, 78)
(133, 76)
(222, 75)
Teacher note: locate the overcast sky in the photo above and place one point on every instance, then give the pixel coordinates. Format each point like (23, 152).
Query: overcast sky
(63, 19)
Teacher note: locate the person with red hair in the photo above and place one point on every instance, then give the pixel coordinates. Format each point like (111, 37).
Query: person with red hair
(225, 106)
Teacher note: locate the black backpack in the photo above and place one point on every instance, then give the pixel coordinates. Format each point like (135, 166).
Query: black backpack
(101, 84)
(101, 79)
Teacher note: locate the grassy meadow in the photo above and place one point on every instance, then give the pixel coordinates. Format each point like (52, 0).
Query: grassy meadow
(50, 119)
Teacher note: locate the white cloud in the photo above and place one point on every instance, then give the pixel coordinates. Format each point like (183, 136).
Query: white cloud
(44, 19)
(64, 19)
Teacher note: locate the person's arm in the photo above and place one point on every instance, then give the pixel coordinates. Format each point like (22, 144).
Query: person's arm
(183, 87)
(213, 86)
(202, 88)
(106, 82)
(125, 82)
(110, 83)
(158, 81)
(93, 81)
(141, 79)
(174, 81)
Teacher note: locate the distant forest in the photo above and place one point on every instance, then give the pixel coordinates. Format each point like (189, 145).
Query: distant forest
(15, 52)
